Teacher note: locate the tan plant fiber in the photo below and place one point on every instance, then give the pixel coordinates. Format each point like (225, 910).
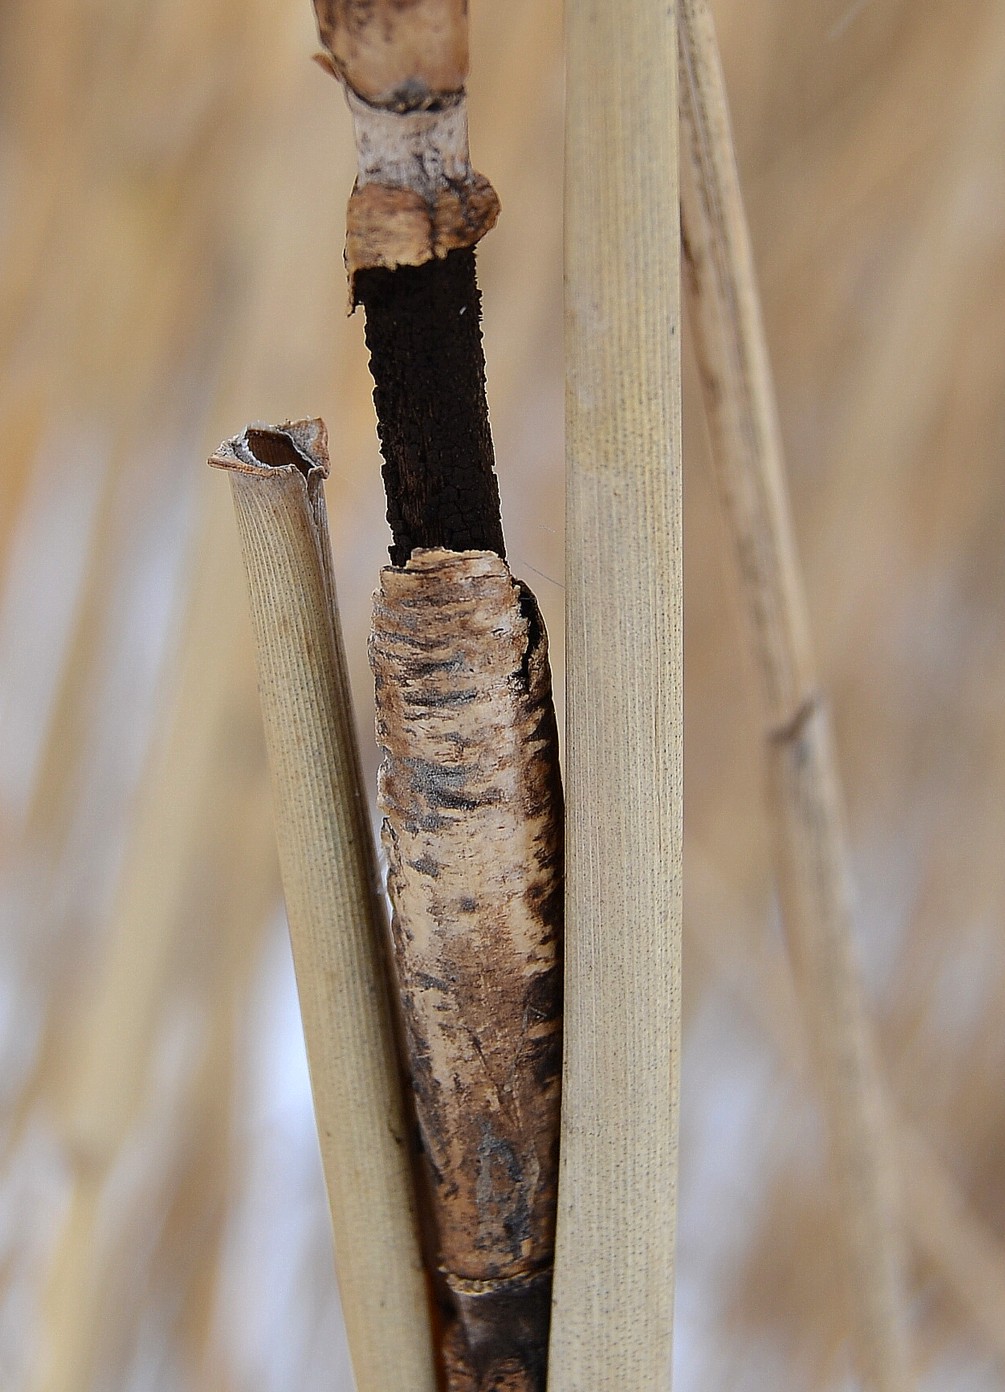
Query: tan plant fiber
(330, 883)
(470, 790)
(403, 68)
(613, 1310)
(812, 859)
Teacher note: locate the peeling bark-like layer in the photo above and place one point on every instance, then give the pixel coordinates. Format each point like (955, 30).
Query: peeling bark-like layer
(403, 64)
(388, 226)
(470, 790)
(401, 54)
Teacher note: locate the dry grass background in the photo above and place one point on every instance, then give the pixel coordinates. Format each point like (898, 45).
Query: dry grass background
(173, 189)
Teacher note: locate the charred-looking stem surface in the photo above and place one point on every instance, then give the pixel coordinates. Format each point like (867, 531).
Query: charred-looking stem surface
(428, 366)
(470, 791)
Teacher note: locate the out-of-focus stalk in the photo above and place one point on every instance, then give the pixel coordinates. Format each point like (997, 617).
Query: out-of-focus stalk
(812, 859)
(113, 1061)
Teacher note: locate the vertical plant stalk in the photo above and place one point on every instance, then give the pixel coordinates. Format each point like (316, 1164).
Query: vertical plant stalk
(470, 789)
(330, 883)
(469, 781)
(812, 859)
(614, 1267)
(415, 214)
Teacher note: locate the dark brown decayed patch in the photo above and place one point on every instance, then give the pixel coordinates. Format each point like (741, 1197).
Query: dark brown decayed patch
(428, 366)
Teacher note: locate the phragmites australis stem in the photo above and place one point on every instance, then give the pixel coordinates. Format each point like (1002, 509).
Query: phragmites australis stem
(812, 859)
(614, 1251)
(469, 784)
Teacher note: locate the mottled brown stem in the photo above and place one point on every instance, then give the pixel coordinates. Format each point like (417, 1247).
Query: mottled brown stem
(470, 791)
(395, 55)
(403, 68)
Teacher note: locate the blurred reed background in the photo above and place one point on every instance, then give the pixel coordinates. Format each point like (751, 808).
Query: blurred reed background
(171, 220)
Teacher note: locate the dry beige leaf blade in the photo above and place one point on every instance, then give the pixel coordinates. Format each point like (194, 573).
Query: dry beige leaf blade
(330, 883)
(613, 1310)
(812, 859)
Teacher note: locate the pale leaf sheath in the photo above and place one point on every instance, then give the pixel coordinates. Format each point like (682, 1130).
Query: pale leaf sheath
(330, 882)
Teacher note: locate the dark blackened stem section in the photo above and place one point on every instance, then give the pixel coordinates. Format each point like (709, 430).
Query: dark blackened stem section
(424, 335)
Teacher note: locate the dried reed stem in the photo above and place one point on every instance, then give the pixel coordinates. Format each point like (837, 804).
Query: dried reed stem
(330, 882)
(470, 789)
(469, 780)
(953, 1238)
(812, 857)
(612, 1317)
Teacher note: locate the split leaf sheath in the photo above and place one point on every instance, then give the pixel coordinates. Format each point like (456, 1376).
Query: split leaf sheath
(469, 787)
(330, 882)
